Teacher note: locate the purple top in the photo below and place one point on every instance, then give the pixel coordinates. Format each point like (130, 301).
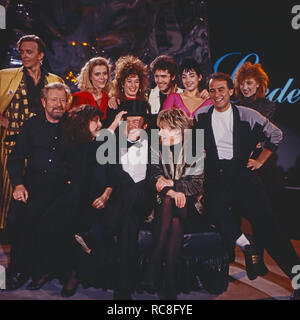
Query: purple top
(174, 100)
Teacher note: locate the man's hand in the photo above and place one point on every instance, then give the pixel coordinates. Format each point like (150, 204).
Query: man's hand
(179, 197)
(163, 182)
(113, 103)
(20, 193)
(3, 121)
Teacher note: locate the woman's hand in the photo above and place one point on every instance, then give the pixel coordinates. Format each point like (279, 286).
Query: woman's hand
(20, 193)
(113, 103)
(179, 198)
(117, 121)
(163, 182)
(204, 94)
(254, 164)
(100, 202)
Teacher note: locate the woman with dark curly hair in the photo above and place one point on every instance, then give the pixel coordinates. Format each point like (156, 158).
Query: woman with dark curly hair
(85, 198)
(94, 84)
(130, 83)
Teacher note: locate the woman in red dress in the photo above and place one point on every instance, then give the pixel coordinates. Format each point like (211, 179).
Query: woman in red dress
(94, 84)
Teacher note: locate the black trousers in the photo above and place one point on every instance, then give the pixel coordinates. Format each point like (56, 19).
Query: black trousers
(123, 220)
(24, 221)
(230, 183)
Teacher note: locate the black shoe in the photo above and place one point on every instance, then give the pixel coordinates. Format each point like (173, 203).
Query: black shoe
(122, 295)
(69, 292)
(295, 295)
(16, 281)
(38, 284)
(253, 261)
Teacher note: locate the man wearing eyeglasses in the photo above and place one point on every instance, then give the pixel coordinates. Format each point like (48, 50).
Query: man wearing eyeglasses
(20, 91)
(35, 184)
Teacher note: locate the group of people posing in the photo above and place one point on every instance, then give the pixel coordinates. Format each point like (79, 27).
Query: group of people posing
(67, 209)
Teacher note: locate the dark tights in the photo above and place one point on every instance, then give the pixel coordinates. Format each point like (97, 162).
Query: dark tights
(168, 233)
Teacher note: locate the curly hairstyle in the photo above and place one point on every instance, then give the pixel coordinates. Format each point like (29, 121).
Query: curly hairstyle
(127, 66)
(175, 119)
(76, 126)
(190, 64)
(84, 78)
(255, 71)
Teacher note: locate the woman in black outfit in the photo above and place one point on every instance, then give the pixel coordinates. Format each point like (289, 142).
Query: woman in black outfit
(179, 185)
(87, 194)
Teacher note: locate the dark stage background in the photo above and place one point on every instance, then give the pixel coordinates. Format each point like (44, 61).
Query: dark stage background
(219, 34)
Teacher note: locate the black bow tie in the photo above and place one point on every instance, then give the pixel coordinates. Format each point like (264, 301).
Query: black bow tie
(130, 144)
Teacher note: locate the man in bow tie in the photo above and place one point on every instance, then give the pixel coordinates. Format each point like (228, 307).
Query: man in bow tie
(135, 199)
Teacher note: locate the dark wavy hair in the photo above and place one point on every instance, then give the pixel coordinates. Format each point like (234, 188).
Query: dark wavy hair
(190, 64)
(76, 126)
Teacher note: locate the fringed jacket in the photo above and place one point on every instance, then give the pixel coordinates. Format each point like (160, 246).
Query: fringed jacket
(188, 177)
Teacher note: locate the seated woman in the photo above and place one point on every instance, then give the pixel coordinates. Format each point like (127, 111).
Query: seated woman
(87, 195)
(94, 84)
(191, 100)
(178, 183)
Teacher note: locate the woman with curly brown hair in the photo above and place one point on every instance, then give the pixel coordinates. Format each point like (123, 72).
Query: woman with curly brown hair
(86, 196)
(94, 84)
(130, 83)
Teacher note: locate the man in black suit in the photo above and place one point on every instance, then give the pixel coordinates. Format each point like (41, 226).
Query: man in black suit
(231, 135)
(38, 146)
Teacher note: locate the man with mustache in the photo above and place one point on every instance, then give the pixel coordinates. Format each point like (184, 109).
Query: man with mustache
(39, 146)
(20, 90)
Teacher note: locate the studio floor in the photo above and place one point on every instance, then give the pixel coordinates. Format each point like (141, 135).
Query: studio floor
(274, 286)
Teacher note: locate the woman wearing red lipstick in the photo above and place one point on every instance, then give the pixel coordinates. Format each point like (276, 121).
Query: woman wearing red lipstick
(192, 99)
(130, 83)
(94, 84)
(251, 83)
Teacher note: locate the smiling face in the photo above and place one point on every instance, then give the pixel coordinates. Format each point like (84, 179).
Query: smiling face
(169, 136)
(99, 76)
(134, 125)
(190, 79)
(220, 94)
(249, 87)
(95, 127)
(55, 104)
(131, 86)
(30, 55)
(163, 80)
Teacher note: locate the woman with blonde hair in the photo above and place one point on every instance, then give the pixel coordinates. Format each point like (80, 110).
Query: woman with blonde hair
(178, 183)
(94, 84)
